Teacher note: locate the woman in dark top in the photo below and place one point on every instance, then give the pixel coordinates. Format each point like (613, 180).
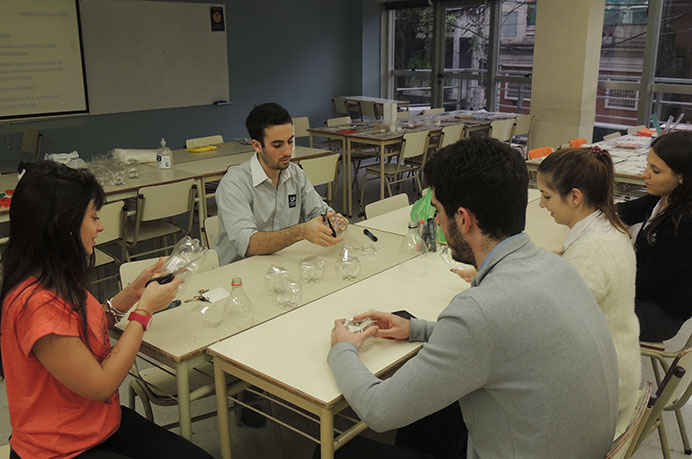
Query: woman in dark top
(661, 223)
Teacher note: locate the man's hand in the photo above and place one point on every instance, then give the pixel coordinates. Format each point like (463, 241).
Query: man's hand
(466, 274)
(340, 334)
(387, 324)
(318, 232)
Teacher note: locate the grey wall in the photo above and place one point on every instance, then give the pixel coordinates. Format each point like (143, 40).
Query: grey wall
(299, 54)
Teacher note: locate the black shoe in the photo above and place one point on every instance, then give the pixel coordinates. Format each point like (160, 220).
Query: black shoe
(252, 419)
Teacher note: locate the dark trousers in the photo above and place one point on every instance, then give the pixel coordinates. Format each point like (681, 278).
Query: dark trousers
(655, 324)
(441, 435)
(137, 437)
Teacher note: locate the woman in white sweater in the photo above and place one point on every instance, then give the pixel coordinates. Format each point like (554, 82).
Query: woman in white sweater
(576, 186)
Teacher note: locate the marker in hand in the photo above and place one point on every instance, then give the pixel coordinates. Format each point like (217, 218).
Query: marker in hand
(161, 280)
(372, 237)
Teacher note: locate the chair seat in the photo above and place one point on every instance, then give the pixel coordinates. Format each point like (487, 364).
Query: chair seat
(390, 169)
(151, 230)
(162, 382)
(102, 258)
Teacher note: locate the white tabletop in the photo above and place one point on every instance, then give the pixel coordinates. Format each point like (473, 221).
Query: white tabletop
(292, 349)
(179, 333)
(397, 221)
(215, 165)
(223, 149)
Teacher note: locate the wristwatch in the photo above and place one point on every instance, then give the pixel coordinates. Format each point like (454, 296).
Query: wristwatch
(141, 318)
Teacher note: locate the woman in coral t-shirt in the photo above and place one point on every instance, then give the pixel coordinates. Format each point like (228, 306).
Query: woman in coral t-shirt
(61, 374)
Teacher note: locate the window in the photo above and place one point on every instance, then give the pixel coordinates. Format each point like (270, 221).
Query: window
(624, 99)
(509, 24)
(514, 90)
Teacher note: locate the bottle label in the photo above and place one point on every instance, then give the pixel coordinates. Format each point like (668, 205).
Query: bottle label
(163, 161)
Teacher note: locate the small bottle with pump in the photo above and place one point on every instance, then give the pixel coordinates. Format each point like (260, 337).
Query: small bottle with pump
(164, 156)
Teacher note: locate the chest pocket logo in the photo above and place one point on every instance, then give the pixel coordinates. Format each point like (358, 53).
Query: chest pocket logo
(292, 200)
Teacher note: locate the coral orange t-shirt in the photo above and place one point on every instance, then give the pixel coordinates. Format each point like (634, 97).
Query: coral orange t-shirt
(48, 419)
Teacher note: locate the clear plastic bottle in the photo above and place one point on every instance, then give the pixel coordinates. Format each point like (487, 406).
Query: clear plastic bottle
(239, 311)
(413, 243)
(164, 157)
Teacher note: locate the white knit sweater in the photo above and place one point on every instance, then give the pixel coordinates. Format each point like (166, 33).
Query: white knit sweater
(605, 259)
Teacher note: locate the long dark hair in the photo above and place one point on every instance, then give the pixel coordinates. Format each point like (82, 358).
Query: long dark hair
(46, 214)
(675, 149)
(588, 169)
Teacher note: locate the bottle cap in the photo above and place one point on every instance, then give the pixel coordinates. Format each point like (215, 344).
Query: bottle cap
(236, 282)
(163, 142)
(411, 224)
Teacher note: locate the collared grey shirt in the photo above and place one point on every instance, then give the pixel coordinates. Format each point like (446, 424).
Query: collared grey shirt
(248, 202)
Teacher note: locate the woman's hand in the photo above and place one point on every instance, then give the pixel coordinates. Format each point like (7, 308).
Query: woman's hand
(140, 282)
(158, 296)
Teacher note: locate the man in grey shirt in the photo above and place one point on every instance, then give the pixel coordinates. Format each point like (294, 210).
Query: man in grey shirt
(267, 203)
(525, 350)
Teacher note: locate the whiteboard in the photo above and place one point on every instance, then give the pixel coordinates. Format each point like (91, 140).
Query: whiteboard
(146, 55)
(40, 59)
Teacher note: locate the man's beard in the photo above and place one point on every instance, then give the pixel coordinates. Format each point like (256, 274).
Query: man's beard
(461, 250)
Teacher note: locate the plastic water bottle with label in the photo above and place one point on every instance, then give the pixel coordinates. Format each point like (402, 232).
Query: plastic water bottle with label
(164, 156)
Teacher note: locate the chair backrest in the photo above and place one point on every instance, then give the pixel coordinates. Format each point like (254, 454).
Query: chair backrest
(621, 444)
(130, 270)
(203, 141)
(210, 228)
(167, 200)
(339, 106)
(340, 121)
(113, 218)
(414, 144)
(614, 135)
(674, 384)
(320, 170)
(502, 129)
(386, 205)
(540, 152)
(577, 142)
(451, 134)
(353, 109)
(367, 108)
(433, 111)
(635, 129)
(301, 125)
(523, 124)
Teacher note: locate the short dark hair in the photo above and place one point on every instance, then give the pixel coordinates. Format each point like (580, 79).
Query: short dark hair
(264, 116)
(485, 176)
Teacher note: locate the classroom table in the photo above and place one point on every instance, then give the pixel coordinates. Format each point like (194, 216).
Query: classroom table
(296, 370)
(179, 337)
(149, 175)
(282, 358)
(396, 221)
(222, 149)
(629, 154)
(212, 168)
(374, 134)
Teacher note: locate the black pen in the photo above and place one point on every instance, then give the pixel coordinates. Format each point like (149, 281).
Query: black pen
(329, 222)
(370, 235)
